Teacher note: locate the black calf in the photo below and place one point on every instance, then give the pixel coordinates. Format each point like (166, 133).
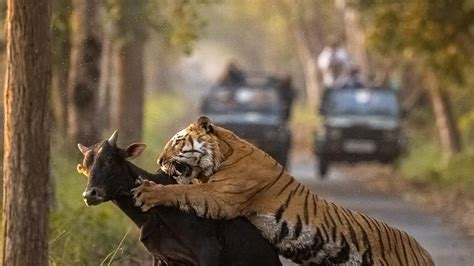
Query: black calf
(171, 236)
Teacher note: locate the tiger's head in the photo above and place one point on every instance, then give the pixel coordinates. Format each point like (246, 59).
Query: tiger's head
(192, 153)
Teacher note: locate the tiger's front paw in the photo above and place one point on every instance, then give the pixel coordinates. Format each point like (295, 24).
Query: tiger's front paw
(146, 194)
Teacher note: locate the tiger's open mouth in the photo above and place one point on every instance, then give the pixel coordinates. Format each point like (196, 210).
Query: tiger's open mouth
(177, 169)
(183, 169)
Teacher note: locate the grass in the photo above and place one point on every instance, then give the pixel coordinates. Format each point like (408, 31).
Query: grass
(81, 235)
(426, 164)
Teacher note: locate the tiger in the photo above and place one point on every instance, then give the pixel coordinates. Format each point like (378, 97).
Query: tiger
(238, 179)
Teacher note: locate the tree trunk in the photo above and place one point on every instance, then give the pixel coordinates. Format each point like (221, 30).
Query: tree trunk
(61, 51)
(165, 61)
(130, 95)
(445, 122)
(354, 35)
(310, 69)
(411, 90)
(102, 118)
(83, 73)
(59, 96)
(27, 133)
(305, 49)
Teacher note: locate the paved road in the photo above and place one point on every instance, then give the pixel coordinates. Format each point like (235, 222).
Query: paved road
(446, 245)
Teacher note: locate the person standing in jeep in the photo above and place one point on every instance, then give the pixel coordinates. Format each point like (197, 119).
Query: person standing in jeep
(333, 61)
(232, 76)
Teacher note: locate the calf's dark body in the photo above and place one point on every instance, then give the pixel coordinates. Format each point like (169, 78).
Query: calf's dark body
(181, 238)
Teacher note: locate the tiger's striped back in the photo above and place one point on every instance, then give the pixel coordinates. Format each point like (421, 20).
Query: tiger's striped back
(245, 181)
(307, 228)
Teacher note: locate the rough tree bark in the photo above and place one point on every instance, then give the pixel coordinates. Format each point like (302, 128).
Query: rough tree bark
(27, 133)
(84, 72)
(448, 131)
(130, 89)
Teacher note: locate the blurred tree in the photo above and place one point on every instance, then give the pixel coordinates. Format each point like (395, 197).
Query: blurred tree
(103, 115)
(83, 72)
(177, 21)
(130, 24)
(166, 59)
(309, 22)
(2, 59)
(435, 35)
(26, 162)
(180, 21)
(61, 50)
(354, 34)
(411, 87)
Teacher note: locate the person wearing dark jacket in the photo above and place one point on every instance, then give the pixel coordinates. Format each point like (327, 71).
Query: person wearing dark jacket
(232, 76)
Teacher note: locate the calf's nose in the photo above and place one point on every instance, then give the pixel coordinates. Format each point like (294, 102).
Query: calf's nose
(93, 196)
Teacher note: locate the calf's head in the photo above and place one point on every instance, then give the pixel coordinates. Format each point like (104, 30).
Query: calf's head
(106, 168)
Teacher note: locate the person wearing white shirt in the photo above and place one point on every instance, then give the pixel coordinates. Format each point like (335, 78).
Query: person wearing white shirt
(333, 61)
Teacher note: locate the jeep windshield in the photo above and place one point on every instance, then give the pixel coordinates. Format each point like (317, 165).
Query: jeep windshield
(361, 102)
(243, 100)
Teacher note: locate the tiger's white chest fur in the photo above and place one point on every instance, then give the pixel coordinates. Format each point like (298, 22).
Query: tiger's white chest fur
(301, 248)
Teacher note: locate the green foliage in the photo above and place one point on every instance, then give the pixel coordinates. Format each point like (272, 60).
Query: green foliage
(423, 161)
(425, 164)
(436, 33)
(435, 36)
(466, 125)
(130, 18)
(179, 21)
(83, 235)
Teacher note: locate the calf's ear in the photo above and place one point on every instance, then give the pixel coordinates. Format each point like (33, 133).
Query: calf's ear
(134, 150)
(83, 148)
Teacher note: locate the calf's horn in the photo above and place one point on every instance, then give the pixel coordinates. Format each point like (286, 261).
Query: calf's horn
(113, 139)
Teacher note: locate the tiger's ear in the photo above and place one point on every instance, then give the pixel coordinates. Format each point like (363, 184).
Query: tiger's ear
(134, 150)
(205, 123)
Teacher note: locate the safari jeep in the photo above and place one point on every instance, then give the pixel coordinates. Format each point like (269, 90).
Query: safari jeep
(254, 112)
(359, 125)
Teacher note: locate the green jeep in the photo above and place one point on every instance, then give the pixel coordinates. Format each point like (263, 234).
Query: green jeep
(359, 125)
